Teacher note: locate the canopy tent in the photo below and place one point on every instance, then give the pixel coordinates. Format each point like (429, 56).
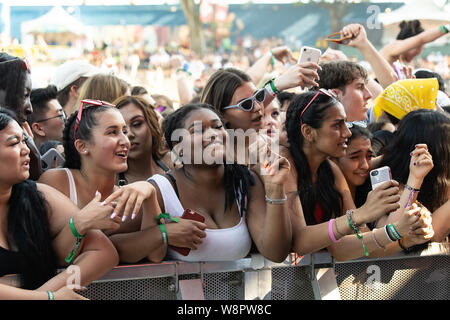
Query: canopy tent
(428, 12)
(416, 9)
(55, 24)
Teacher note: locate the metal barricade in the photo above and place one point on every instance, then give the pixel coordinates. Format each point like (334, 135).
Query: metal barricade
(421, 275)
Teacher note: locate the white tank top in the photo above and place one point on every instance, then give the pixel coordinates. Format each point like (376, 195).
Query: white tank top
(72, 187)
(219, 245)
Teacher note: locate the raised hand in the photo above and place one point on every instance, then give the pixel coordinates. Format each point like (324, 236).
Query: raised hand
(421, 163)
(303, 75)
(358, 35)
(283, 54)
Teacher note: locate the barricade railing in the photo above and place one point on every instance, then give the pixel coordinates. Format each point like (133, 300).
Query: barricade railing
(421, 275)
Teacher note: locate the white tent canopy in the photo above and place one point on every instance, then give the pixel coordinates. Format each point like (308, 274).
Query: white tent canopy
(416, 9)
(57, 20)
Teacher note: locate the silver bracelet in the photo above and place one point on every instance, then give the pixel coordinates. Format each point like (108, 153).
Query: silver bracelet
(276, 201)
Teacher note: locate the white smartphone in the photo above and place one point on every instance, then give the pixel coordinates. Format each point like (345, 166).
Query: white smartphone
(50, 157)
(309, 54)
(380, 175)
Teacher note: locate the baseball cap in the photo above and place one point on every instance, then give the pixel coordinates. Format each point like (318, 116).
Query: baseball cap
(72, 70)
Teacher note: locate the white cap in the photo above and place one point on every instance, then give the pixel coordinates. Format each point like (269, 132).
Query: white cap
(72, 70)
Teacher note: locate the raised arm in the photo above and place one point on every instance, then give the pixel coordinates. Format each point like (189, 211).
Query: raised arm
(391, 51)
(382, 69)
(259, 68)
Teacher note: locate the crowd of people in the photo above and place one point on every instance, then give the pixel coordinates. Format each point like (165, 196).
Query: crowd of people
(144, 180)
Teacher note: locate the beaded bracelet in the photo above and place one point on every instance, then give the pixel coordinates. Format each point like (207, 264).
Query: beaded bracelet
(355, 228)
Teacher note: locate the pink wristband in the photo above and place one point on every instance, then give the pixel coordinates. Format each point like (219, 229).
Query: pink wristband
(330, 231)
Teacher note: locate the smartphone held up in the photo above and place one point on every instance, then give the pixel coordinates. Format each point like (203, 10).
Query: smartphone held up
(379, 176)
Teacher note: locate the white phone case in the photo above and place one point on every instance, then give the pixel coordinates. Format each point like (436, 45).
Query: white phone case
(309, 54)
(380, 175)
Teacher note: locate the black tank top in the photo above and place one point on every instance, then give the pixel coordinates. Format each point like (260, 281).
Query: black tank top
(9, 262)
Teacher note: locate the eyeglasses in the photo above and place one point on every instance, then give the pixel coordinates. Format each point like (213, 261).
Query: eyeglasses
(321, 90)
(80, 112)
(62, 116)
(248, 103)
(357, 123)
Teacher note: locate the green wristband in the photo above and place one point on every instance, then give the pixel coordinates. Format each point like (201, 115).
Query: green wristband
(51, 296)
(162, 227)
(394, 231)
(74, 230)
(443, 29)
(166, 216)
(272, 58)
(274, 89)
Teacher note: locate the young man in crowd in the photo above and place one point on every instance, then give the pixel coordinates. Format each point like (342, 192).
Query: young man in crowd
(68, 79)
(348, 80)
(47, 119)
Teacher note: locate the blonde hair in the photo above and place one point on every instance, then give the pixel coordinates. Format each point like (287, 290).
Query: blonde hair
(106, 87)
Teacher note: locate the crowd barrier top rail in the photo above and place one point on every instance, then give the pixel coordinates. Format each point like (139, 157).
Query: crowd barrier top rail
(313, 276)
(254, 262)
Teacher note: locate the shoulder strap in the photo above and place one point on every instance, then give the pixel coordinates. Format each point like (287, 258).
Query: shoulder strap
(162, 165)
(174, 182)
(72, 187)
